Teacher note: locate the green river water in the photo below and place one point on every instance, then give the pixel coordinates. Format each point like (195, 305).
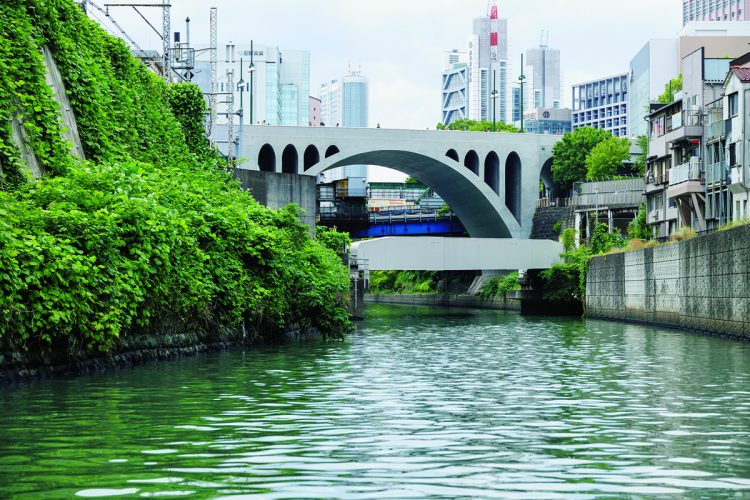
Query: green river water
(418, 402)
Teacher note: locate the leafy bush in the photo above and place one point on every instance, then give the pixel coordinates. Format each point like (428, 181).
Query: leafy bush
(148, 235)
(557, 227)
(333, 240)
(499, 286)
(405, 282)
(638, 228)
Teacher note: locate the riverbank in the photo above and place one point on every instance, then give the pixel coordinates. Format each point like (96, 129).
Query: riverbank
(698, 285)
(511, 303)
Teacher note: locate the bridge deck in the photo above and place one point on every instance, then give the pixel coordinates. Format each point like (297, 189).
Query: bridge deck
(425, 253)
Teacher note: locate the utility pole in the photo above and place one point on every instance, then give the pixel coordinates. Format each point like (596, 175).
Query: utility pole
(213, 58)
(252, 77)
(494, 100)
(521, 79)
(230, 116)
(241, 111)
(165, 39)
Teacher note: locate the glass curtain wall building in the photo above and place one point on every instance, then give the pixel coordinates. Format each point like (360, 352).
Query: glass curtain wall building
(280, 83)
(345, 103)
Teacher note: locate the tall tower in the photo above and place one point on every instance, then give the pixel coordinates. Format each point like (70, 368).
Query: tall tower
(488, 61)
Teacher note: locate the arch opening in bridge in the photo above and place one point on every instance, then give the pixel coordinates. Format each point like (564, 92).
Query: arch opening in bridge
(548, 188)
(311, 157)
(267, 159)
(471, 161)
(513, 185)
(492, 171)
(332, 150)
(478, 208)
(289, 160)
(452, 154)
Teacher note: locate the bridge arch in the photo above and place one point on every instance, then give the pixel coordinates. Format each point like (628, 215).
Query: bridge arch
(474, 202)
(332, 150)
(452, 154)
(289, 160)
(492, 171)
(471, 161)
(267, 159)
(311, 157)
(513, 184)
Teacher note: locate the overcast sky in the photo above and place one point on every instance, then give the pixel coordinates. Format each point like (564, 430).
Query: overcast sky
(399, 43)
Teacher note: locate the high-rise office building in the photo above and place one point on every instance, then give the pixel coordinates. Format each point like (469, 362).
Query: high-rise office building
(455, 88)
(488, 67)
(543, 80)
(279, 85)
(714, 10)
(345, 103)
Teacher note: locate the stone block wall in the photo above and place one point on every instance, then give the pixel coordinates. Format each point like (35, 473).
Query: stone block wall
(701, 284)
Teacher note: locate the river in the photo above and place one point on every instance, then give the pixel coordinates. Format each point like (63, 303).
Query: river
(418, 402)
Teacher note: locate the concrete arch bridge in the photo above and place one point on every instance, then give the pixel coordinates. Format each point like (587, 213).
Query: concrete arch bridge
(490, 180)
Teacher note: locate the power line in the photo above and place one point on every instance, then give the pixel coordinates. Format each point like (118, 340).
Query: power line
(112, 20)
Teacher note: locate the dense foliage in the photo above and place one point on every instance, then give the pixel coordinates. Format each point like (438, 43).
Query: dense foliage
(404, 281)
(567, 281)
(466, 124)
(639, 165)
(606, 157)
(147, 235)
(333, 240)
(570, 153)
(420, 281)
(670, 89)
(500, 285)
(638, 227)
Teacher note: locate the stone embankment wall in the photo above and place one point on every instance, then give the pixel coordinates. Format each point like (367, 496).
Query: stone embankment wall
(701, 284)
(446, 300)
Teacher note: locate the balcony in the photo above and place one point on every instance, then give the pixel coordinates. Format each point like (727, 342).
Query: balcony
(685, 179)
(717, 173)
(737, 178)
(684, 125)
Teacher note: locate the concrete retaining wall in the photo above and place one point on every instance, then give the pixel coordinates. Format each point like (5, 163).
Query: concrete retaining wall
(468, 301)
(700, 284)
(275, 190)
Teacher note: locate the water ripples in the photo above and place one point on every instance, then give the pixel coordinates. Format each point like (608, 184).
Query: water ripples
(417, 403)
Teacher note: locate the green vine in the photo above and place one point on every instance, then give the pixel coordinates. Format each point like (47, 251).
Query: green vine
(147, 234)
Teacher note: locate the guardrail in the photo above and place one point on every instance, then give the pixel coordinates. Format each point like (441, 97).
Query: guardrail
(690, 171)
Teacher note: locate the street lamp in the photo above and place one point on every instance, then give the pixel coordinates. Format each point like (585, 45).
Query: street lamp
(521, 79)
(251, 69)
(493, 94)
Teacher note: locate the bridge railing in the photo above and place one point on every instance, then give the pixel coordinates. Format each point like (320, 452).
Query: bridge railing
(553, 202)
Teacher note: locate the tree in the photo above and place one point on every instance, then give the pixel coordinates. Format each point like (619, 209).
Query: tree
(477, 126)
(638, 227)
(569, 155)
(606, 156)
(639, 165)
(411, 180)
(670, 88)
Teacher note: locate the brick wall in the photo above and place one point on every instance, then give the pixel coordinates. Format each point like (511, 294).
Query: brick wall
(700, 284)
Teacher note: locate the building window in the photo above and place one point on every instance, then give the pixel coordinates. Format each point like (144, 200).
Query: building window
(733, 104)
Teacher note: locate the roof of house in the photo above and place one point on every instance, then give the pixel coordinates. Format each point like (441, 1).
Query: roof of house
(742, 73)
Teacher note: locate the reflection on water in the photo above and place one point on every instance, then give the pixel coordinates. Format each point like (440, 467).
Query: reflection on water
(418, 402)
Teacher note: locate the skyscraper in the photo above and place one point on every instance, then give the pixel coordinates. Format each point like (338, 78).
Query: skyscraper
(345, 103)
(544, 77)
(488, 67)
(280, 83)
(714, 10)
(455, 88)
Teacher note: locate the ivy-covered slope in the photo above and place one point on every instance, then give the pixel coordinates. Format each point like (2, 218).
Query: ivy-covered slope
(150, 233)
